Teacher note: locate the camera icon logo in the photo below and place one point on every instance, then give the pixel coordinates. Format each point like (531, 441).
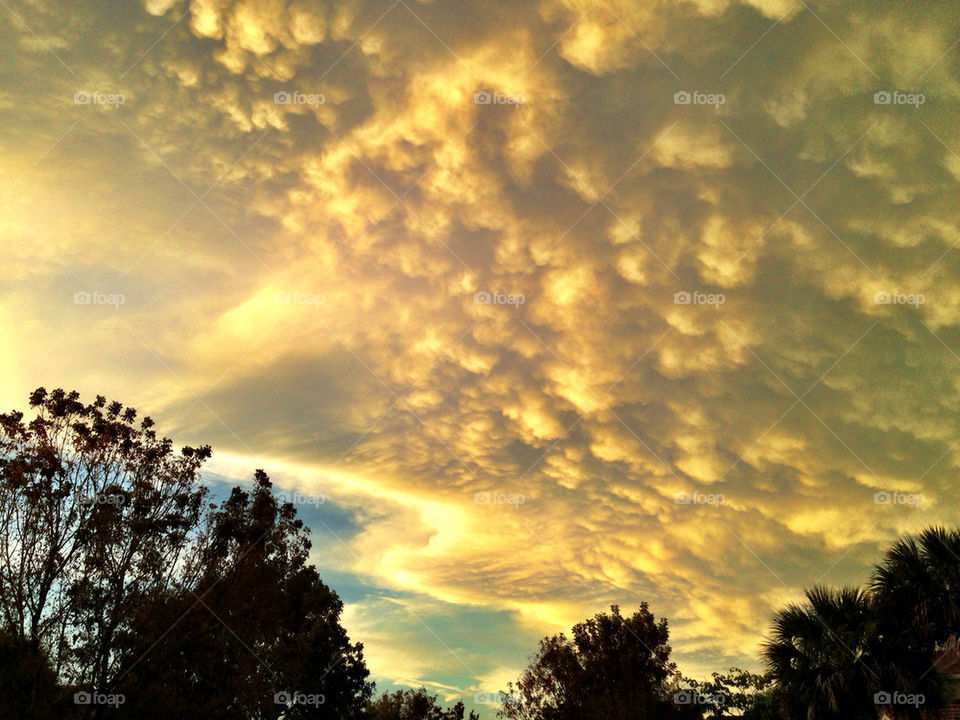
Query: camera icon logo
(882, 97)
(882, 698)
(684, 697)
(682, 298)
(681, 98)
(282, 97)
(682, 498)
(82, 698)
(282, 698)
(482, 98)
(81, 98)
(882, 498)
(882, 298)
(281, 298)
(82, 298)
(482, 297)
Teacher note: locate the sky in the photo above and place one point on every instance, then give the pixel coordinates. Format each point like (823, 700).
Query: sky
(530, 307)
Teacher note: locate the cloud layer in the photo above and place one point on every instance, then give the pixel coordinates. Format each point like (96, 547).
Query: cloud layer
(717, 238)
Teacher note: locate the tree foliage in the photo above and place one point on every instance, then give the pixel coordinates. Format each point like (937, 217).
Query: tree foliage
(258, 623)
(917, 590)
(115, 567)
(850, 651)
(29, 689)
(414, 705)
(737, 693)
(612, 667)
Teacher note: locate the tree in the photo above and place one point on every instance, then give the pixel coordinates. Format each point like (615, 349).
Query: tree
(113, 563)
(97, 514)
(765, 706)
(259, 627)
(853, 650)
(748, 695)
(823, 655)
(917, 588)
(612, 667)
(414, 705)
(28, 685)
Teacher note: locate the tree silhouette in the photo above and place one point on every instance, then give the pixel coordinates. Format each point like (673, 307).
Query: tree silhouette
(28, 685)
(612, 667)
(849, 652)
(824, 655)
(259, 627)
(750, 696)
(917, 588)
(114, 565)
(98, 515)
(414, 705)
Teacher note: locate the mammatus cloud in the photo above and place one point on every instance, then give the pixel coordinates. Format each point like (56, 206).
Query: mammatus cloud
(718, 361)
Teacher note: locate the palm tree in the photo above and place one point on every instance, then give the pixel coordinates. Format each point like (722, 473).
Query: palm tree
(833, 653)
(917, 588)
(822, 655)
